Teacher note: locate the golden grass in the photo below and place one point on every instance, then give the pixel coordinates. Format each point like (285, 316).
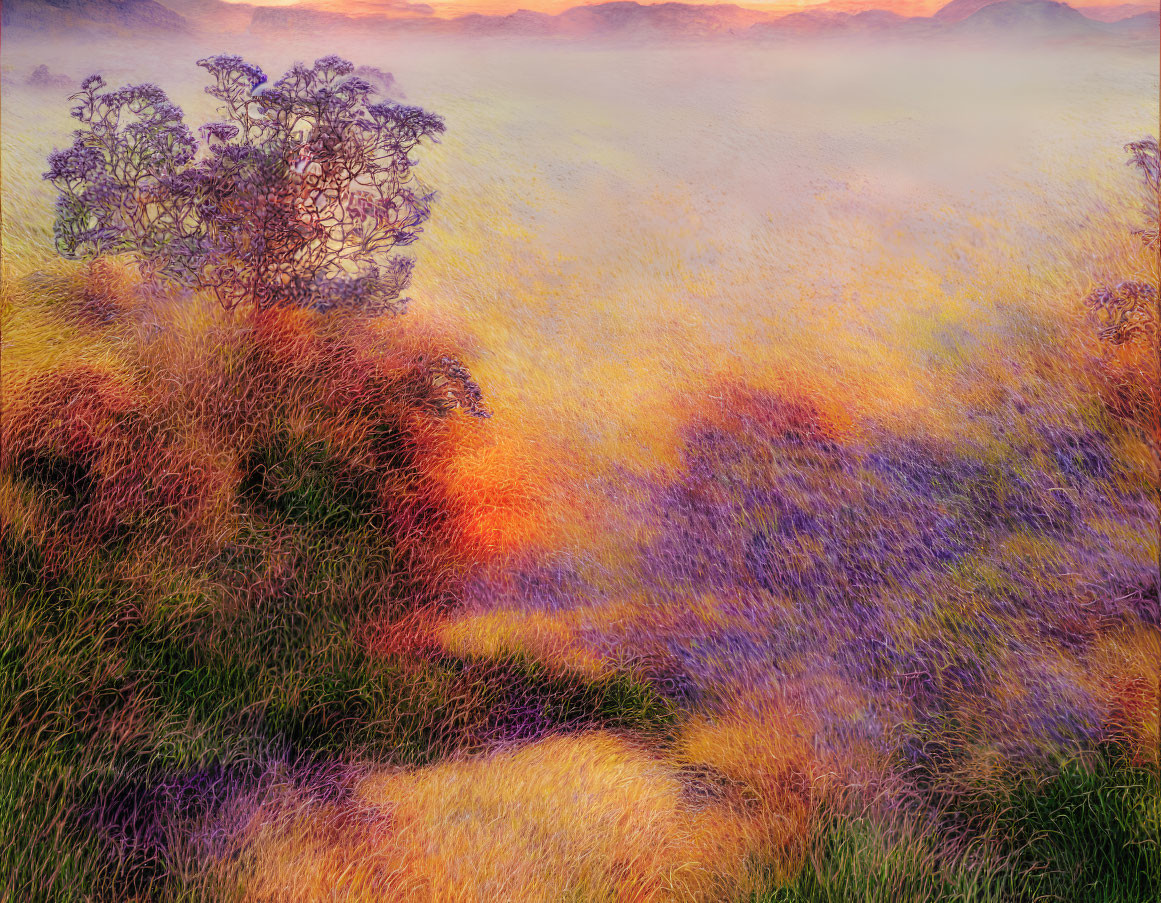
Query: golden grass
(591, 817)
(618, 237)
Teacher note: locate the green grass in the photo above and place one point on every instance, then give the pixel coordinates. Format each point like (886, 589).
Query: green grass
(99, 699)
(1086, 832)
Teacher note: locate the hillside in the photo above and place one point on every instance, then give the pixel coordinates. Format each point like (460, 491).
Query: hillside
(83, 16)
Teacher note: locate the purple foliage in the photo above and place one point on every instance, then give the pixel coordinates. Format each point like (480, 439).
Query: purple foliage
(1145, 157)
(882, 564)
(299, 195)
(528, 583)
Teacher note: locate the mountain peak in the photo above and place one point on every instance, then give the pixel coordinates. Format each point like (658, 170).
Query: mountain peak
(1005, 16)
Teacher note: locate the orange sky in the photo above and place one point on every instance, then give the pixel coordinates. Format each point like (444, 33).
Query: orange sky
(460, 7)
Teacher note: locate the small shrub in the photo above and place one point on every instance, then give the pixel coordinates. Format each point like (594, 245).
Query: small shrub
(1146, 158)
(1126, 315)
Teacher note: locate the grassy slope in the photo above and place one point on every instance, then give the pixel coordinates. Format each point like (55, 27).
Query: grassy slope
(215, 648)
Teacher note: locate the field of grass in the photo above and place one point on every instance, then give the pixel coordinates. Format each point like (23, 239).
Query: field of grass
(809, 553)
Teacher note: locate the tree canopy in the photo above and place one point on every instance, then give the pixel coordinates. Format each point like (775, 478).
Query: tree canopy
(299, 195)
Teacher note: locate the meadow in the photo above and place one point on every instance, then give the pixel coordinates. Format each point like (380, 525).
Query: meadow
(809, 551)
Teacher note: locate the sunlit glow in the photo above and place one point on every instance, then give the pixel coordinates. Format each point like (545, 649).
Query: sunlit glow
(448, 8)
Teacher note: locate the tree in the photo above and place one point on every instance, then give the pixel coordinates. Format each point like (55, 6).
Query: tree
(298, 196)
(1145, 157)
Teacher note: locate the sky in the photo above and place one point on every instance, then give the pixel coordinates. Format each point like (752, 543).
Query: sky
(461, 7)
(363, 7)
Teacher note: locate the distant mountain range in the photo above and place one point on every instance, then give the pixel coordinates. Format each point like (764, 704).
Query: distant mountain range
(1119, 11)
(92, 16)
(1044, 19)
(628, 19)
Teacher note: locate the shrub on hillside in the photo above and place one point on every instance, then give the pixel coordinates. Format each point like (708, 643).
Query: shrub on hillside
(280, 455)
(1146, 159)
(1126, 314)
(277, 457)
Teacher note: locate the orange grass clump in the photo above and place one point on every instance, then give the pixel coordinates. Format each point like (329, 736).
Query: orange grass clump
(1125, 665)
(761, 748)
(83, 436)
(550, 639)
(500, 488)
(255, 452)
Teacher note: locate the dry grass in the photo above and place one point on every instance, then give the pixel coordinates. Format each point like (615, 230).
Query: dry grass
(805, 557)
